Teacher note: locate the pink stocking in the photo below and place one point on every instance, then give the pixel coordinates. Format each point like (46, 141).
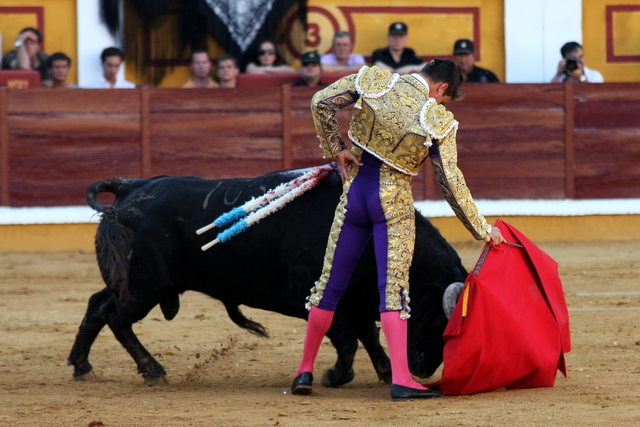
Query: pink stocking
(395, 330)
(317, 326)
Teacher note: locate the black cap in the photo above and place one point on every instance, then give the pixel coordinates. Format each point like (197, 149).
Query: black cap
(398, 28)
(310, 58)
(463, 46)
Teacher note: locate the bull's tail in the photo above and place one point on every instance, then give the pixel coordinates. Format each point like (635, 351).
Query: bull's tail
(113, 241)
(239, 319)
(112, 185)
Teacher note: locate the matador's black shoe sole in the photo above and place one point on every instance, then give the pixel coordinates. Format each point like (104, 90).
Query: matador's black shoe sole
(303, 384)
(399, 392)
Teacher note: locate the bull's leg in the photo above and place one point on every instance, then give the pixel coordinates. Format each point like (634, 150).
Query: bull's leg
(152, 371)
(344, 339)
(92, 324)
(369, 335)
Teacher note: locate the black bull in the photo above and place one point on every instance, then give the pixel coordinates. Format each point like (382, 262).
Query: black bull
(148, 253)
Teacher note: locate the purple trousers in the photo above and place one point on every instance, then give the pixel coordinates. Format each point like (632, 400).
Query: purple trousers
(364, 218)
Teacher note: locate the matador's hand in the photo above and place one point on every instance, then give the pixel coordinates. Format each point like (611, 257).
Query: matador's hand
(343, 158)
(495, 236)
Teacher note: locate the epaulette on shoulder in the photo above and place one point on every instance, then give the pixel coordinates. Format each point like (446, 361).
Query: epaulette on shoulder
(374, 82)
(436, 120)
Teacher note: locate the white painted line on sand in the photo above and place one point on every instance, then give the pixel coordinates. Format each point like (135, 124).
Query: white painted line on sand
(589, 294)
(430, 208)
(605, 309)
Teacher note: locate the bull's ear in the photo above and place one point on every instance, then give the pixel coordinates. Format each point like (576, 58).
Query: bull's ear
(170, 306)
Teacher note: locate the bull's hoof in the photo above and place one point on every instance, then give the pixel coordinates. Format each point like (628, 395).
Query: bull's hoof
(88, 376)
(156, 381)
(332, 379)
(383, 369)
(385, 377)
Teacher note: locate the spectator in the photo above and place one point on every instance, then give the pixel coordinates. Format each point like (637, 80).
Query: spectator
(342, 59)
(201, 68)
(59, 66)
(227, 71)
(311, 70)
(111, 58)
(465, 57)
(572, 67)
(27, 54)
(267, 61)
(397, 57)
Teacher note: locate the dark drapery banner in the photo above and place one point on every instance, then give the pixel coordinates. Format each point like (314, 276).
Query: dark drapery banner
(240, 25)
(237, 25)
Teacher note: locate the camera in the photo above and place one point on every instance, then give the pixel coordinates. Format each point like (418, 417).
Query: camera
(571, 64)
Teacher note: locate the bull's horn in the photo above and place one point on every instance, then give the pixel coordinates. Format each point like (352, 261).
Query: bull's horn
(450, 298)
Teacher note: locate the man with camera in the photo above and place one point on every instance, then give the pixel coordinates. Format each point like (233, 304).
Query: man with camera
(572, 68)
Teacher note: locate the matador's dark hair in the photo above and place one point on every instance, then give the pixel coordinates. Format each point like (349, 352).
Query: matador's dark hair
(445, 70)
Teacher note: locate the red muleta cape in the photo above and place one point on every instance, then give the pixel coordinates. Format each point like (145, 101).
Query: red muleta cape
(510, 327)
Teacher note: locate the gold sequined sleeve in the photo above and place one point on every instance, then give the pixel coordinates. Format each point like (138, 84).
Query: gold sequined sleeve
(454, 187)
(324, 106)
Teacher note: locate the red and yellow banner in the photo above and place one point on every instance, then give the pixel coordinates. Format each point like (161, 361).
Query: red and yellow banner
(433, 27)
(610, 38)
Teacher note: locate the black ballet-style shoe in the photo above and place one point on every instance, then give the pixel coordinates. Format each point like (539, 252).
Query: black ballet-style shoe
(303, 384)
(399, 392)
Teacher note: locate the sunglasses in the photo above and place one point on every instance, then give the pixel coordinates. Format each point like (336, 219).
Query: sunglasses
(266, 52)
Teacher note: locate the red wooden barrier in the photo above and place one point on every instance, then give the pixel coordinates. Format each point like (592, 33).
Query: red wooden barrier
(515, 141)
(245, 80)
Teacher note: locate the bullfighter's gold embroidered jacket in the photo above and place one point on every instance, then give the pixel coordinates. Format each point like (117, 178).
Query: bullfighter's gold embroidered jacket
(395, 120)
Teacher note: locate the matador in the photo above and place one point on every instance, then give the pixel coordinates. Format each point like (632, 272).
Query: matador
(398, 121)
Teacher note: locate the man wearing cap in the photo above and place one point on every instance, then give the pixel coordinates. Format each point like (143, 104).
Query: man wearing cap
(465, 58)
(310, 71)
(27, 54)
(397, 57)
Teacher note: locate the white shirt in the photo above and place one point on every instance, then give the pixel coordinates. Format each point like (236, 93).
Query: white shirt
(592, 76)
(421, 79)
(104, 84)
(331, 59)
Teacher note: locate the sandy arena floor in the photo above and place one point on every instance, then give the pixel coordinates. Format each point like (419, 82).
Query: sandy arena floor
(223, 376)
